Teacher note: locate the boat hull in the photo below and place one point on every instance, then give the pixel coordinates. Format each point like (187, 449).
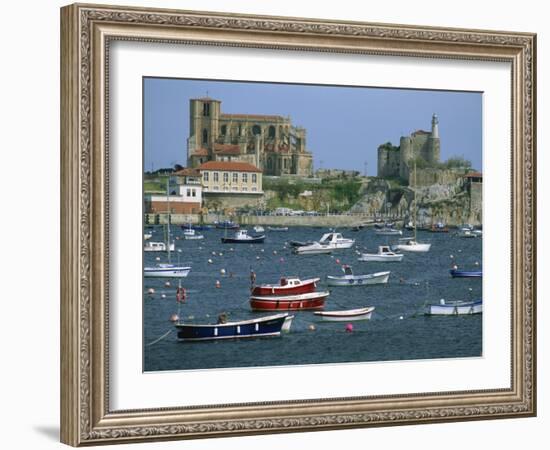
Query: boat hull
(466, 274)
(359, 280)
(306, 287)
(251, 240)
(416, 248)
(149, 247)
(365, 257)
(456, 309)
(351, 315)
(166, 272)
(270, 326)
(289, 303)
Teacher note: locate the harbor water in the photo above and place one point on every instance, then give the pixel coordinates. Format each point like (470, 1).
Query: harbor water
(398, 330)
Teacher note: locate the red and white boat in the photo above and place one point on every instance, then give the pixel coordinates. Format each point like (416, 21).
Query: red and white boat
(310, 300)
(286, 286)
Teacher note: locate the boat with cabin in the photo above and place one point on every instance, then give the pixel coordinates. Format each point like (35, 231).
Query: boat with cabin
(286, 286)
(336, 241)
(258, 229)
(314, 248)
(349, 279)
(227, 225)
(242, 237)
(349, 315)
(268, 326)
(388, 231)
(385, 254)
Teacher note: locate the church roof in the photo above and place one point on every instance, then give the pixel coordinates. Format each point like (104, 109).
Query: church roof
(227, 149)
(230, 166)
(187, 172)
(265, 117)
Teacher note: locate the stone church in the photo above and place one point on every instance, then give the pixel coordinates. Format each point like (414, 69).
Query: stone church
(395, 162)
(269, 142)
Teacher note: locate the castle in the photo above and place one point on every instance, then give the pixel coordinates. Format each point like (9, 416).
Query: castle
(395, 162)
(269, 142)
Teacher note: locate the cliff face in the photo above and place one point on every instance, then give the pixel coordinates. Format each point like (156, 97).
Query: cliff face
(453, 203)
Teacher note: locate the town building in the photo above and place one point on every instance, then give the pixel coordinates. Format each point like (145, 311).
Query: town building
(231, 183)
(184, 197)
(269, 142)
(396, 162)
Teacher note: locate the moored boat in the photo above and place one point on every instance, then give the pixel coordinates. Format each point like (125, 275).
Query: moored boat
(242, 237)
(439, 227)
(166, 271)
(258, 229)
(269, 326)
(385, 254)
(227, 225)
(349, 279)
(388, 232)
(455, 273)
(151, 246)
(277, 228)
(349, 315)
(457, 308)
(336, 241)
(409, 244)
(311, 300)
(286, 286)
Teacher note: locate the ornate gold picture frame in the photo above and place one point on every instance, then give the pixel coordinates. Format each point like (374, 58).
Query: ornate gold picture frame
(87, 32)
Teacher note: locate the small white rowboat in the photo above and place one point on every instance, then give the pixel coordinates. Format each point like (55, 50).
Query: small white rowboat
(349, 279)
(347, 315)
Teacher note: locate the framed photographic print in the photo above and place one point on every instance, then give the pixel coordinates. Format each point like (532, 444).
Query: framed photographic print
(277, 224)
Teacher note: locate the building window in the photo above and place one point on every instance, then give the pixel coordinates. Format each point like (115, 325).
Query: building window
(285, 163)
(193, 192)
(271, 132)
(245, 178)
(216, 177)
(224, 129)
(225, 177)
(235, 177)
(205, 137)
(206, 109)
(254, 178)
(244, 188)
(215, 188)
(205, 176)
(256, 129)
(254, 189)
(188, 192)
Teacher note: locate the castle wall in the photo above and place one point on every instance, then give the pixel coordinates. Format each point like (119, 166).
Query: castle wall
(429, 177)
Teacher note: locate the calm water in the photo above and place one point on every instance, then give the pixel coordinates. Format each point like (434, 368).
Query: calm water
(397, 331)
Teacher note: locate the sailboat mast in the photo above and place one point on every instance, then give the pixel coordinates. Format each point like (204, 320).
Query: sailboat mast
(414, 200)
(168, 218)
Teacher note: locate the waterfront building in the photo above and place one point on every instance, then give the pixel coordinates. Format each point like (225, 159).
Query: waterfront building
(269, 142)
(185, 195)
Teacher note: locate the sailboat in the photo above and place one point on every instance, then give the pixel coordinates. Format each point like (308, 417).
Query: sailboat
(410, 244)
(167, 270)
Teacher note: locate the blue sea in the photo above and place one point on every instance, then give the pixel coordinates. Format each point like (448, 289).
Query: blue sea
(398, 330)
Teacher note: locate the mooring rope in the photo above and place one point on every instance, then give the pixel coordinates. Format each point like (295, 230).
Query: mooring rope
(159, 339)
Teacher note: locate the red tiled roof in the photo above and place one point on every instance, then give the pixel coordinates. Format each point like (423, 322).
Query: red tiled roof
(474, 175)
(227, 149)
(251, 116)
(417, 132)
(200, 152)
(187, 172)
(230, 166)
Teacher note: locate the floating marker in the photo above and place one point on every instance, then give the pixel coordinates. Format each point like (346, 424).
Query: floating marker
(476, 263)
(222, 271)
(218, 284)
(213, 253)
(162, 295)
(311, 327)
(191, 317)
(257, 257)
(177, 238)
(150, 291)
(167, 284)
(274, 252)
(221, 254)
(157, 258)
(174, 318)
(231, 249)
(209, 261)
(400, 317)
(262, 250)
(349, 328)
(282, 260)
(337, 261)
(451, 256)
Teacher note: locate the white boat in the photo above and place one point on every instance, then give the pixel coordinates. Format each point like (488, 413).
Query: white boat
(410, 244)
(388, 232)
(191, 234)
(315, 248)
(147, 236)
(349, 279)
(458, 308)
(151, 246)
(385, 254)
(277, 228)
(350, 315)
(336, 241)
(258, 229)
(242, 237)
(165, 270)
(467, 234)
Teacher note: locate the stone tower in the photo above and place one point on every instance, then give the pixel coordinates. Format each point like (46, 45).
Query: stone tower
(204, 129)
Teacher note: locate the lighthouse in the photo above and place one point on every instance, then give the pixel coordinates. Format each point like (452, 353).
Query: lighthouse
(435, 126)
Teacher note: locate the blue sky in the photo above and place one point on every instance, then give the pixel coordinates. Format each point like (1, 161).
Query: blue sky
(345, 125)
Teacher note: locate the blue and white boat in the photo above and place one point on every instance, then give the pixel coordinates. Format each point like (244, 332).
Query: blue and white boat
(268, 326)
(458, 308)
(455, 273)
